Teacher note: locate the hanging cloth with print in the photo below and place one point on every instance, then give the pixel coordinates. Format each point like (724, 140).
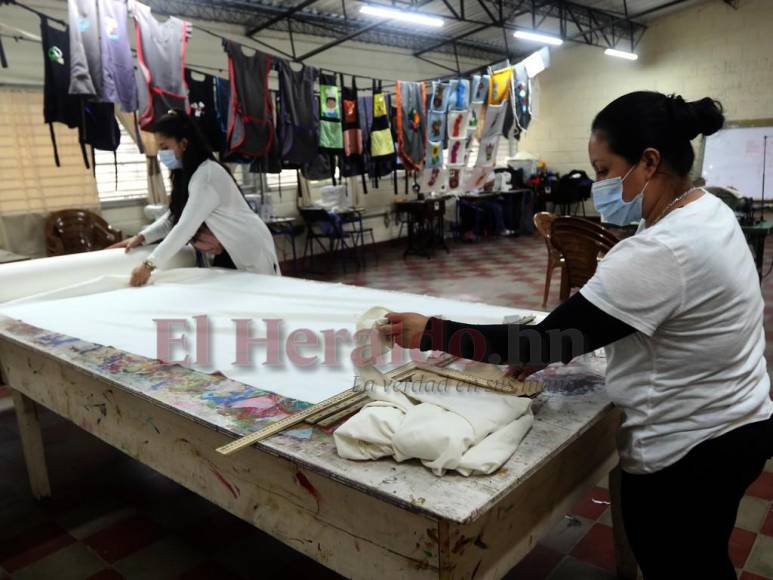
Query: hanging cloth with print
(436, 125)
(500, 86)
(161, 54)
(330, 129)
(458, 142)
(58, 105)
(478, 96)
(411, 122)
(296, 119)
(353, 162)
(250, 114)
(382, 145)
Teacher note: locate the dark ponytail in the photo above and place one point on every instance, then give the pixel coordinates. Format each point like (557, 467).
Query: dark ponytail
(636, 121)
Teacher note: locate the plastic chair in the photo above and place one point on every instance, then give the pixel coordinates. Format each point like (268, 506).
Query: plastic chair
(543, 222)
(73, 231)
(581, 244)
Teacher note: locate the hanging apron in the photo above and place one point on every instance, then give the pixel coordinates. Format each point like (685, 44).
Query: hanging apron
(297, 121)
(353, 161)
(411, 120)
(201, 97)
(222, 107)
(161, 54)
(58, 105)
(382, 146)
(117, 62)
(330, 131)
(522, 101)
(85, 52)
(500, 86)
(250, 116)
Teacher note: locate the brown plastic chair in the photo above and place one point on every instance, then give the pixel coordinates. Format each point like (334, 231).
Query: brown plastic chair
(72, 231)
(543, 221)
(581, 243)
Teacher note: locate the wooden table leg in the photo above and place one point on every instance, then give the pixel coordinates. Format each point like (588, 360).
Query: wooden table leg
(32, 444)
(627, 568)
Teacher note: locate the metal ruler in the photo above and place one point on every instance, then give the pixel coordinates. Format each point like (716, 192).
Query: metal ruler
(286, 422)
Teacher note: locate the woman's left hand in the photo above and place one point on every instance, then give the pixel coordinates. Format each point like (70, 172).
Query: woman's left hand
(140, 275)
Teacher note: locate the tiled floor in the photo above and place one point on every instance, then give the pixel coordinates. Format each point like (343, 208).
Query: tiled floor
(113, 518)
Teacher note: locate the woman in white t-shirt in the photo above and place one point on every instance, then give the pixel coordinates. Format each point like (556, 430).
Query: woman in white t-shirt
(679, 309)
(206, 208)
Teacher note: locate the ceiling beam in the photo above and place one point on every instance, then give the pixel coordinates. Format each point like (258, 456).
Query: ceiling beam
(352, 35)
(279, 17)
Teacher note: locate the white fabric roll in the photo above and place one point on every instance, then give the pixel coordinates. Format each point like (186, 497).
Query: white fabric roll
(24, 279)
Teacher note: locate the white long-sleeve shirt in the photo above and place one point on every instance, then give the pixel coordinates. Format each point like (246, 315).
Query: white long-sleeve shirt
(215, 200)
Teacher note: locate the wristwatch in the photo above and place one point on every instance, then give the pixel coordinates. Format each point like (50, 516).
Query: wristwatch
(149, 264)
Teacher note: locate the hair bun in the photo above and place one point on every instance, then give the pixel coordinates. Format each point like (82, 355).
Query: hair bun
(702, 117)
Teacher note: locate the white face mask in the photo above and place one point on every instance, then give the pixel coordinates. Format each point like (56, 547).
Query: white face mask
(608, 199)
(168, 158)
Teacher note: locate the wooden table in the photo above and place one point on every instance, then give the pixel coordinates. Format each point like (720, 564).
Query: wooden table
(756, 235)
(375, 519)
(426, 225)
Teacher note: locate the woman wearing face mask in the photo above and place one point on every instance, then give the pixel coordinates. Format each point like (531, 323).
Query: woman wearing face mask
(206, 208)
(679, 309)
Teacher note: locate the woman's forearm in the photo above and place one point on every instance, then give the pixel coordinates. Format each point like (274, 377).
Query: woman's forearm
(574, 328)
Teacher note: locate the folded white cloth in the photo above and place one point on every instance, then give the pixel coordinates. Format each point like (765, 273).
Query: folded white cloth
(472, 432)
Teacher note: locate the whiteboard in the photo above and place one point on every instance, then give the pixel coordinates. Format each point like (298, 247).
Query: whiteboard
(734, 157)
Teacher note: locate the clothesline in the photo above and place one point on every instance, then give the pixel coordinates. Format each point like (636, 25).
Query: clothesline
(385, 83)
(289, 56)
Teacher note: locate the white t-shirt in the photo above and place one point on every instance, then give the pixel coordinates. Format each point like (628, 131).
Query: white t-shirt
(215, 200)
(696, 367)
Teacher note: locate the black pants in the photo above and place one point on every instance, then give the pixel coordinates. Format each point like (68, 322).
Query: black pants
(223, 260)
(679, 520)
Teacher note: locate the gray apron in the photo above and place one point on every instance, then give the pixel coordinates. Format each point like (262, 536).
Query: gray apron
(161, 55)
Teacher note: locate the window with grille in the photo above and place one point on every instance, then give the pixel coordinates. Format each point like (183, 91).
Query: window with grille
(129, 163)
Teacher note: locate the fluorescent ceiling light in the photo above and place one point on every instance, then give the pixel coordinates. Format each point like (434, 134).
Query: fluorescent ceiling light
(536, 37)
(401, 15)
(621, 54)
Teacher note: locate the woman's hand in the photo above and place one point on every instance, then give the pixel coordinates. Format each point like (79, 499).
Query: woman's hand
(129, 243)
(404, 328)
(140, 275)
(205, 241)
(522, 372)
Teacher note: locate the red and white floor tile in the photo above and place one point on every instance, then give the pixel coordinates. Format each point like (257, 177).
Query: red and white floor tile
(112, 518)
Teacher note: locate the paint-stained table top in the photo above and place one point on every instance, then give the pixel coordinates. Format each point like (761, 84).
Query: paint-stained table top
(572, 401)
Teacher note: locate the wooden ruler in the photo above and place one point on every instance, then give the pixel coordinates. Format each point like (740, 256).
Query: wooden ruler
(503, 385)
(287, 422)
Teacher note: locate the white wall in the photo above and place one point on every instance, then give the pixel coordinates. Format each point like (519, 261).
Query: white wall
(708, 50)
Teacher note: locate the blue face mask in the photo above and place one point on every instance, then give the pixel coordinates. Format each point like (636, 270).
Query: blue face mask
(167, 157)
(608, 199)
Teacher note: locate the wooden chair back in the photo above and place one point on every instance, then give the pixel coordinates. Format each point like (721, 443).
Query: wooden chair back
(581, 244)
(72, 231)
